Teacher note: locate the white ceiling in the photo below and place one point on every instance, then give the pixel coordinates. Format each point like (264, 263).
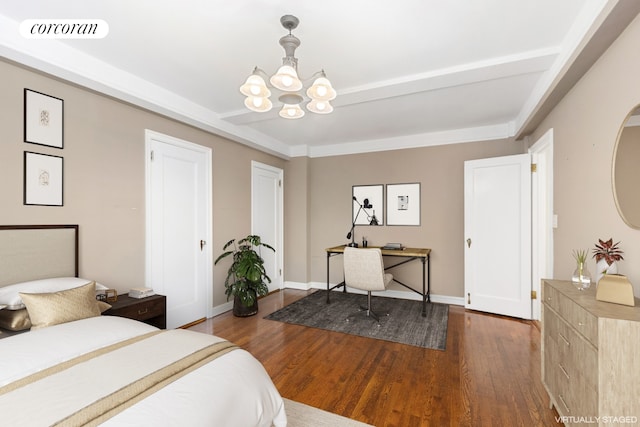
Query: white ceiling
(408, 73)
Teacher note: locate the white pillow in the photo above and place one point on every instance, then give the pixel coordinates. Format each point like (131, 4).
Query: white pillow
(10, 295)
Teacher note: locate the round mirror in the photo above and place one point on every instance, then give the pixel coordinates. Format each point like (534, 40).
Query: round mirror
(626, 170)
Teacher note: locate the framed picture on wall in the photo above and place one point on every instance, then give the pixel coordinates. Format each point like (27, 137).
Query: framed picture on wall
(371, 199)
(43, 119)
(403, 204)
(43, 179)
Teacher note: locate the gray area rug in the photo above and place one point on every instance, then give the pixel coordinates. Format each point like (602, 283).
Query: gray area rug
(404, 324)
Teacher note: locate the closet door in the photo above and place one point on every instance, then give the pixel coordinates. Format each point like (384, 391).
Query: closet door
(497, 217)
(178, 226)
(267, 218)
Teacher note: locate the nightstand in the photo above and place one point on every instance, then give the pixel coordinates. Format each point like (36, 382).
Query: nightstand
(151, 310)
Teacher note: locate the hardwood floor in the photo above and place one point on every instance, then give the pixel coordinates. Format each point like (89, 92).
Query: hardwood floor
(489, 374)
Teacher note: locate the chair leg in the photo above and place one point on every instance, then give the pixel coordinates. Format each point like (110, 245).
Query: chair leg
(370, 313)
(368, 310)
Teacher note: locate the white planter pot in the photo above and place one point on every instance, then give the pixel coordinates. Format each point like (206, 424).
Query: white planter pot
(603, 268)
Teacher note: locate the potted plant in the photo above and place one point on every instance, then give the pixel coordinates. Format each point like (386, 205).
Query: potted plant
(606, 255)
(246, 278)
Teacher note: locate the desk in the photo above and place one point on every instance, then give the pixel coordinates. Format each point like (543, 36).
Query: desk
(409, 254)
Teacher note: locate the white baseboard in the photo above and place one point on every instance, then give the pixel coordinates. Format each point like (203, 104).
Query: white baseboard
(222, 308)
(297, 285)
(443, 299)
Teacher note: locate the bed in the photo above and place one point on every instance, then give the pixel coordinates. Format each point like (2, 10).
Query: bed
(72, 366)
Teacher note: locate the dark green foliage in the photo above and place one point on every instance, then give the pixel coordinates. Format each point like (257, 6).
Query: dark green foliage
(246, 278)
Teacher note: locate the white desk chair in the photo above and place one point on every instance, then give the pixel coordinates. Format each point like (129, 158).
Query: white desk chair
(364, 270)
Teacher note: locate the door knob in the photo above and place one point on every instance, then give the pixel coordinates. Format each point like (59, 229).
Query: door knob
(469, 243)
(202, 243)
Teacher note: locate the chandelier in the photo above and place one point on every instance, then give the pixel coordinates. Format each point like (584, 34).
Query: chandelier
(287, 81)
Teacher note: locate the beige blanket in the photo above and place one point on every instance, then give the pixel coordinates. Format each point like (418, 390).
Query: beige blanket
(94, 387)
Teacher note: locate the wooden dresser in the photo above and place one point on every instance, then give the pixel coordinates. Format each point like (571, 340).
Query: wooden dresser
(590, 356)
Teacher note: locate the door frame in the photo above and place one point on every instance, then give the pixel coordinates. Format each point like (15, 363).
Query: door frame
(542, 217)
(149, 136)
(279, 244)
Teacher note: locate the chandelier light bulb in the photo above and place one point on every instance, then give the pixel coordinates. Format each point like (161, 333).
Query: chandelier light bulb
(255, 86)
(258, 104)
(321, 90)
(291, 111)
(319, 107)
(286, 79)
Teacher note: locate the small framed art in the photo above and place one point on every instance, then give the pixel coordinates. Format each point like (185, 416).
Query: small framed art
(371, 199)
(43, 179)
(403, 204)
(43, 119)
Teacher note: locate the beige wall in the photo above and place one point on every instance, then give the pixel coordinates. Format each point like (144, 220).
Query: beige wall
(585, 125)
(104, 173)
(296, 219)
(440, 170)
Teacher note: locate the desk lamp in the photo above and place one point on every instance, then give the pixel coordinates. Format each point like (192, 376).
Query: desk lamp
(374, 221)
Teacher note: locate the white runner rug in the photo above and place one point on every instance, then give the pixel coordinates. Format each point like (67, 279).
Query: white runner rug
(301, 415)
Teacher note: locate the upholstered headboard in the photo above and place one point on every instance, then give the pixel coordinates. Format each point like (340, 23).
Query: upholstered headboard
(31, 252)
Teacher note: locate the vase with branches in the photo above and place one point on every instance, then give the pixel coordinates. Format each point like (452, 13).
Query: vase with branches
(581, 276)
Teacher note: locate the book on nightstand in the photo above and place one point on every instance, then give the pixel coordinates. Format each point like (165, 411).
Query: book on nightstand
(141, 292)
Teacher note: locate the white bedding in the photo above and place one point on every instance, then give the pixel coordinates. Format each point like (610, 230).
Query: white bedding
(233, 390)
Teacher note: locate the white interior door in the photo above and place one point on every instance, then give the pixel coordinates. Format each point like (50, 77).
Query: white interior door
(267, 217)
(178, 218)
(497, 217)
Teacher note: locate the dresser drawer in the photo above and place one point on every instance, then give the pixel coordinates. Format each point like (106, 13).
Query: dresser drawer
(550, 325)
(574, 354)
(150, 310)
(550, 358)
(584, 322)
(143, 310)
(576, 316)
(577, 358)
(550, 296)
(574, 398)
